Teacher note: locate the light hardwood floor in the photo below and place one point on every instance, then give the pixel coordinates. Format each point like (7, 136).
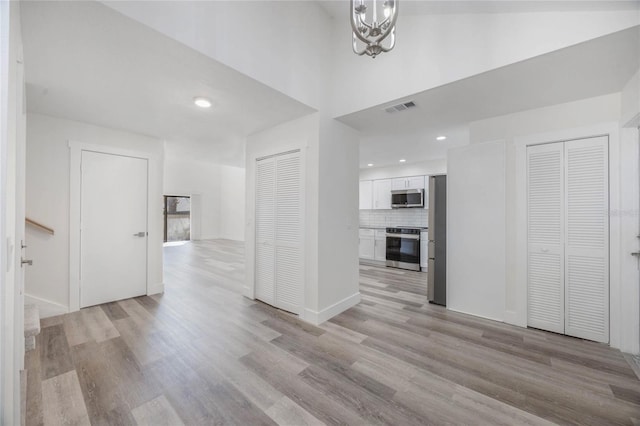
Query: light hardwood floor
(203, 354)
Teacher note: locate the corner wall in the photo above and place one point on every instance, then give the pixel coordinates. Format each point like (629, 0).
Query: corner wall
(338, 220)
(47, 202)
(330, 170)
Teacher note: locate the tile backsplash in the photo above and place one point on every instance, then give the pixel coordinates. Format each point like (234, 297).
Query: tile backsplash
(412, 217)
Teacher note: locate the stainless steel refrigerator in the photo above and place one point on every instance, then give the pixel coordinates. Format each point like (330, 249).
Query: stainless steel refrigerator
(437, 268)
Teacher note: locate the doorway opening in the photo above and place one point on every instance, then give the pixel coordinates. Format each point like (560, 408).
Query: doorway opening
(177, 218)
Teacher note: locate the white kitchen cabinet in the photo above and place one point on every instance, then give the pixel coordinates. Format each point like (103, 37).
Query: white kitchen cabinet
(424, 249)
(380, 245)
(367, 244)
(366, 194)
(382, 194)
(412, 182)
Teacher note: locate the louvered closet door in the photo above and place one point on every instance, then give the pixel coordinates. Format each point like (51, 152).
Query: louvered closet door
(289, 261)
(587, 241)
(265, 230)
(545, 258)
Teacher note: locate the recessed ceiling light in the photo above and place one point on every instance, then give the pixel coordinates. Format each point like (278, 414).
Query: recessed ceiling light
(370, 165)
(202, 102)
(441, 138)
(402, 160)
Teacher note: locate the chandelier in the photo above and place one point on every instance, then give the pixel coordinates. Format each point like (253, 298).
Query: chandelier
(368, 36)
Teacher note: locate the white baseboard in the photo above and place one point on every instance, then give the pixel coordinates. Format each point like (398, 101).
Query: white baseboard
(476, 315)
(248, 292)
(318, 317)
(47, 308)
(513, 318)
(155, 289)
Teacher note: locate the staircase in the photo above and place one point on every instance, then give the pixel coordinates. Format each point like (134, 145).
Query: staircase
(31, 326)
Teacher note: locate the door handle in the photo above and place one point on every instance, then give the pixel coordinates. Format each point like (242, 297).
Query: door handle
(26, 262)
(636, 253)
(140, 234)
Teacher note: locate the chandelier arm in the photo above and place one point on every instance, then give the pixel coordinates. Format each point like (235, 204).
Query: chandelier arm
(355, 47)
(354, 28)
(392, 26)
(392, 45)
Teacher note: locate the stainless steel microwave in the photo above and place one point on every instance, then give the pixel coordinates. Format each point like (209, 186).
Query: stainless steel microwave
(404, 198)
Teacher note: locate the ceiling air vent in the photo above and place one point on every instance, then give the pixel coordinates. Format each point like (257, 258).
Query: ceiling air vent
(400, 107)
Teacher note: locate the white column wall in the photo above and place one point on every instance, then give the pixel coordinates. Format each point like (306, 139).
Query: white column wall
(338, 220)
(301, 134)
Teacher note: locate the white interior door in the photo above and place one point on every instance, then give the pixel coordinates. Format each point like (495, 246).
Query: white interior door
(279, 259)
(587, 238)
(545, 228)
(113, 264)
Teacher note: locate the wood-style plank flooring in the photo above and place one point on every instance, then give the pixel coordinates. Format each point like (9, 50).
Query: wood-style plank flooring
(202, 354)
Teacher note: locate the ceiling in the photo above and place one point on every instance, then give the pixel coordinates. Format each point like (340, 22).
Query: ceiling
(340, 8)
(589, 69)
(86, 62)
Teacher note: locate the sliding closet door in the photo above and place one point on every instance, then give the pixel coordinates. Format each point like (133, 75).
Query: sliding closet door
(545, 269)
(587, 242)
(279, 227)
(265, 230)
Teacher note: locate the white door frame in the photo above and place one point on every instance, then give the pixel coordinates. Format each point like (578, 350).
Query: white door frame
(618, 293)
(75, 181)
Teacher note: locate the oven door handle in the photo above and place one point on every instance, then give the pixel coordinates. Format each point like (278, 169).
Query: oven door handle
(404, 236)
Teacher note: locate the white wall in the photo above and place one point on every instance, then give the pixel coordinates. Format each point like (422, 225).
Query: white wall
(629, 212)
(232, 199)
(338, 219)
(476, 230)
(217, 196)
(202, 180)
(11, 211)
(630, 96)
(431, 167)
(48, 174)
(436, 49)
(575, 119)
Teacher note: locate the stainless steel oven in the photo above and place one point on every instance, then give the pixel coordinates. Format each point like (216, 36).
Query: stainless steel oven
(403, 248)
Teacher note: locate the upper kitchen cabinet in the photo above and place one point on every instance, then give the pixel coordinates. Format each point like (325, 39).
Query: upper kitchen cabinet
(413, 182)
(366, 195)
(382, 194)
